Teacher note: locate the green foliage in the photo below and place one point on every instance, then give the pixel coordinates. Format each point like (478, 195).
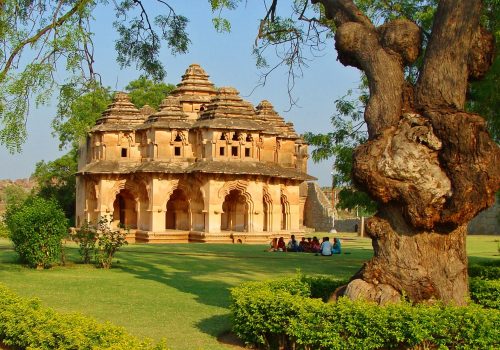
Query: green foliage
(4, 230)
(108, 243)
(37, 227)
(140, 37)
(38, 38)
(485, 292)
(489, 272)
(485, 284)
(277, 318)
(14, 195)
(143, 91)
(56, 180)
(86, 237)
(77, 111)
(26, 324)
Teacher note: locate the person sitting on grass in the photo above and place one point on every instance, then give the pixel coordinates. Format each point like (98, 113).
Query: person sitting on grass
(303, 245)
(273, 245)
(293, 245)
(326, 247)
(336, 249)
(281, 245)
(315, 246)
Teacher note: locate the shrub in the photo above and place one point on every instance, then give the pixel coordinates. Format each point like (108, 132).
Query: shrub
(26, 324)
(489, 272)
(264, 314)
(4, 231)
(485, 292)
(86, 237)
(37, 227)
(108, 243)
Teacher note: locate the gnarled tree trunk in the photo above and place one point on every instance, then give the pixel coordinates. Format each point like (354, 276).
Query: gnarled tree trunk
(431, 166)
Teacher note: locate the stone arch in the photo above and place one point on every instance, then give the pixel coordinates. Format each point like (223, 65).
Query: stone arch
(131, 198)
(177, 215)
(237, 206)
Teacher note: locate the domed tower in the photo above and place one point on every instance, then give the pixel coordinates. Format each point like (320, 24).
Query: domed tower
(194, 91)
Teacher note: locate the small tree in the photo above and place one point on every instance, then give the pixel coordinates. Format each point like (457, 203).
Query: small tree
(108, 243)
(37, 227)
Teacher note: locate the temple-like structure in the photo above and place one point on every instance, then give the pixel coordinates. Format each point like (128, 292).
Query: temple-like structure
(206, 167)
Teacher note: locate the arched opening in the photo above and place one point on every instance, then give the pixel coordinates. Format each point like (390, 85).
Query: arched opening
(177, 215)
(234, 212)
(124, 211)
(285, 213)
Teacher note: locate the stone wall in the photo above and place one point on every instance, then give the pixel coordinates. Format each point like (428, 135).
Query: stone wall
(486, 223)
(347, 225)
(318, 211)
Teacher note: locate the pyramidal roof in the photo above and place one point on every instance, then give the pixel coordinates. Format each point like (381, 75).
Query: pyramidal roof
(121, 111)
(195, 85)
(170, 109)
(266, 113)
(228, 104)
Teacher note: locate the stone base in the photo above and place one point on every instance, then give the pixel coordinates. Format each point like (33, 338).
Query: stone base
(169, 236)
(180, 236)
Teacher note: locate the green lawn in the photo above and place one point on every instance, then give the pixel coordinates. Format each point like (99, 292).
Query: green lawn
(180, 291)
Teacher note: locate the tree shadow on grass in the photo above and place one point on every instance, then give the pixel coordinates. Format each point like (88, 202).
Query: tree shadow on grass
(209, 276)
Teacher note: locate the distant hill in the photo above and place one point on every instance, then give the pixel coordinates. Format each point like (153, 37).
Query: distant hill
(26, 184)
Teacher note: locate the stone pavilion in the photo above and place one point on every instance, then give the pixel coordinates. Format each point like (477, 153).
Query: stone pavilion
(208, 166)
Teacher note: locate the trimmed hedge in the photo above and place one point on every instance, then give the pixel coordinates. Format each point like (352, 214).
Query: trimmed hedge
(267, 313)
(26, 324)
(488, 272)
(485, 292)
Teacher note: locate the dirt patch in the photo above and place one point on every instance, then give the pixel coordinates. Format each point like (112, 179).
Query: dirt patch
(231, 341)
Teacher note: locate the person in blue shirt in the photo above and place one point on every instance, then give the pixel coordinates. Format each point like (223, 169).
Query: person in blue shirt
(336, 249)
(326, 247)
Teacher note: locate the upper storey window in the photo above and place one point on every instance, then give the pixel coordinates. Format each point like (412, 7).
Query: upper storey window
(124, 152)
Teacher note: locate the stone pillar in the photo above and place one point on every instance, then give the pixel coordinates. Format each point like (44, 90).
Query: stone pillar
(275, 193)
(256, 214)
(294, 202)
(213, 206)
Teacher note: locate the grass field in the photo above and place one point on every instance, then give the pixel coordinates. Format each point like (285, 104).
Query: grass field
(180, 291)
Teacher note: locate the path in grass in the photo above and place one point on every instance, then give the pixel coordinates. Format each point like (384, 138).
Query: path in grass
(179, 291)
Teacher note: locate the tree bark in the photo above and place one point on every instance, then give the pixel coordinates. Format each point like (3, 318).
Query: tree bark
(431, 166)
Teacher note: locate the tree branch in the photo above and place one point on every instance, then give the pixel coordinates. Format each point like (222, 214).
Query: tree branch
(33, 39)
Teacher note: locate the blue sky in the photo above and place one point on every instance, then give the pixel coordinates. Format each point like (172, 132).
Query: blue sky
(227, 59)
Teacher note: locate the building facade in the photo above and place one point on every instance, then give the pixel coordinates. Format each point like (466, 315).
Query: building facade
(207, 167)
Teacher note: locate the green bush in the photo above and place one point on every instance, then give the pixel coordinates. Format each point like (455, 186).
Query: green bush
(108, 243)
(86, 237)
(4, 231)
(37, 227)
(489, 272)
(26, 324)
(268, 315)
(485, 292)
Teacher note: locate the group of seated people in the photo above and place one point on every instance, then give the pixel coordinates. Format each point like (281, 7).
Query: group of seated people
(309, 245)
